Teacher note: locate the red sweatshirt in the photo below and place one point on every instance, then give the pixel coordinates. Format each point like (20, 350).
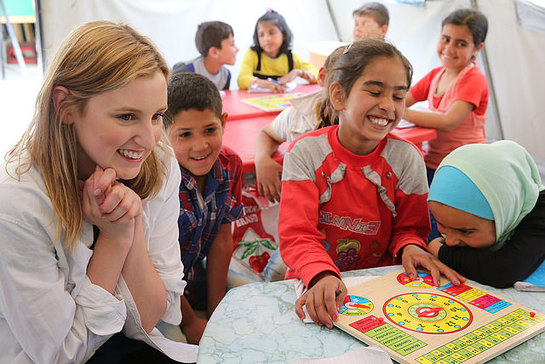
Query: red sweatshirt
(340, 211)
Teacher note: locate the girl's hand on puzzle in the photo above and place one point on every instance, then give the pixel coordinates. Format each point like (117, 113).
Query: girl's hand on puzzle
(435, 245)
(322, 299)
(414, 256)
(267, 175)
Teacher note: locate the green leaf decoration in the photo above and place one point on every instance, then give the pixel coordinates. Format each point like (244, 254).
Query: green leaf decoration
(245, 243)
(268, 244)
(249, 252)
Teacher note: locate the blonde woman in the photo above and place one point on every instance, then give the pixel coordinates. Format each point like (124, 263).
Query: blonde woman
(88, 220)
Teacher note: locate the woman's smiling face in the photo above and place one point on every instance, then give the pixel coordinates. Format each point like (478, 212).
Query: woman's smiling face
(119, 128)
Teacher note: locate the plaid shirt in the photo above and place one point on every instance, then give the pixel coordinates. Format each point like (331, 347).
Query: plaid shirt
(201, 215)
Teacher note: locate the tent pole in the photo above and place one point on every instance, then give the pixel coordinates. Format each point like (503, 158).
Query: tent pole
(335, 25)
(2, 58)
(14, 42)
(492, 93)
(39, 32)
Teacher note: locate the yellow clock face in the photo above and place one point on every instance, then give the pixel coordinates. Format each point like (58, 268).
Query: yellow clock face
(427, 313)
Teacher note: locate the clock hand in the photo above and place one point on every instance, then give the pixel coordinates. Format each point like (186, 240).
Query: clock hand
(426, 311)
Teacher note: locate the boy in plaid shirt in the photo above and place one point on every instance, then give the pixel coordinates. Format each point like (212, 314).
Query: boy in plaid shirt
(210, 194)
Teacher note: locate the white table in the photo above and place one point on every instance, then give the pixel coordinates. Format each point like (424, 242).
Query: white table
(256, 323)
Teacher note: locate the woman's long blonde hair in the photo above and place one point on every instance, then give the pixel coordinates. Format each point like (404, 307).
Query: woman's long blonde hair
(96, 57)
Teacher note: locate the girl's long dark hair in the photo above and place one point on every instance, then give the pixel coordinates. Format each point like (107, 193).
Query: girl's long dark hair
(474, 20)
(278, 20)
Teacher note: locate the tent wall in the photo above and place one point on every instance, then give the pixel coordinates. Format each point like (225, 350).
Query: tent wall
(415, 31)
(516, 55)
(171, 24)
(517, 63)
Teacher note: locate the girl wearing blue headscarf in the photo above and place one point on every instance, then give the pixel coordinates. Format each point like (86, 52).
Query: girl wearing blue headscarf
(490, 208)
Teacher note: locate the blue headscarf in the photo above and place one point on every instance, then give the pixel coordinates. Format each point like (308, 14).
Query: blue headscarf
(498, 181)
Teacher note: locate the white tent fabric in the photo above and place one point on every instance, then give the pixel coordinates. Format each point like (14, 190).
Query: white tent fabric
(516, 54)
(171, 24)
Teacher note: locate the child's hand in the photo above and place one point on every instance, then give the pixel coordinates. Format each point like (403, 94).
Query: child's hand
(274, 86)
(435, 245)
(293, 74)
(307, 76)
(414, 256)
(194, 329)
(267, 174)
(322, 300)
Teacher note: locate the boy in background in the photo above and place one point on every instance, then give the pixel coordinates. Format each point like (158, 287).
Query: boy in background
(370, 21)
(210, 194)
(216, 43)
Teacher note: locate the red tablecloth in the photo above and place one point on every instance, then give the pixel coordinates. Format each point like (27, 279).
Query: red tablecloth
(240, 135)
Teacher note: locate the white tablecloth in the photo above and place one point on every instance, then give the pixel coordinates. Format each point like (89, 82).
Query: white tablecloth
(256, 323)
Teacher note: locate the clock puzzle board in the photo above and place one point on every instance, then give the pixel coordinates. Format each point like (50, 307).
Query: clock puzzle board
(416, 322)
(277, 102)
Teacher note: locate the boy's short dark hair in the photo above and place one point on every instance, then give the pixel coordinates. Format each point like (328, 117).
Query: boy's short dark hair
(375, 10)
(191, 91)
(210, 34)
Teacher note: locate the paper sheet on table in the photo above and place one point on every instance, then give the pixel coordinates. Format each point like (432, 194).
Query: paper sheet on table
(290, 86)
(369, 354)
(404, 124)
(349, 282)
(535, 282)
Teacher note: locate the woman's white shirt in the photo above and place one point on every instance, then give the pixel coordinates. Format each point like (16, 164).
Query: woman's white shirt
(50, 312)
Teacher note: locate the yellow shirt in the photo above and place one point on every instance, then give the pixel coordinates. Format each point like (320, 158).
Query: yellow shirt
(270, 66)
